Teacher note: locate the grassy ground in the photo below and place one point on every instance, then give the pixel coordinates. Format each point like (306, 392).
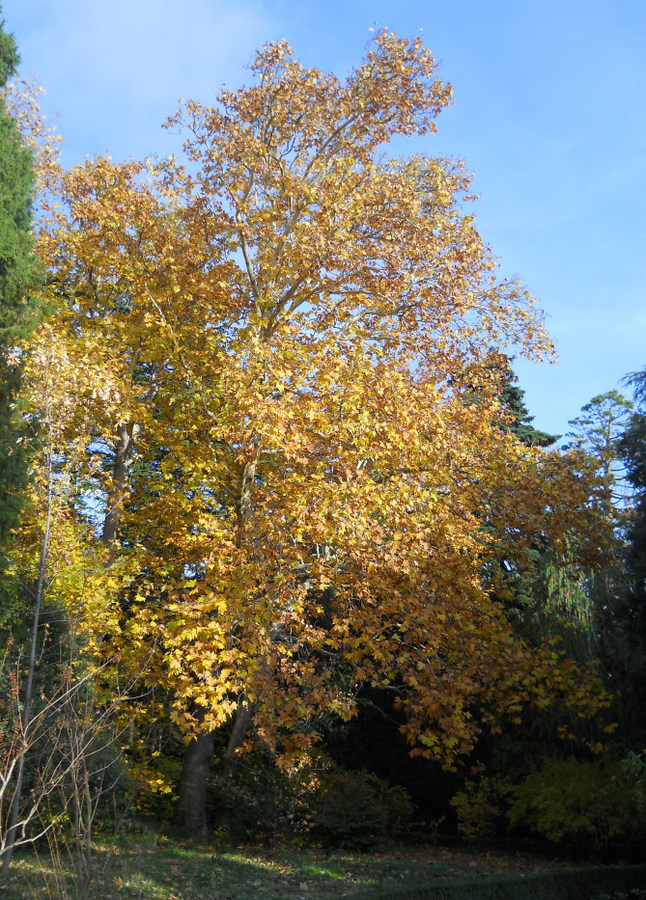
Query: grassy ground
(147, 869)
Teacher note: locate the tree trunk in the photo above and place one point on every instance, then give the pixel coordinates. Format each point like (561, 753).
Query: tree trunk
(123, 457)
(230, 759)
(190, 811)
(14, 814)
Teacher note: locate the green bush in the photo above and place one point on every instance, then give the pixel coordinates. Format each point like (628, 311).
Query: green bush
(259, 800)
(482, 806)
(585, 806)
(354, 809)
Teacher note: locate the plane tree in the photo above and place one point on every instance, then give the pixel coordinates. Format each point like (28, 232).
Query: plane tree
(268, 357)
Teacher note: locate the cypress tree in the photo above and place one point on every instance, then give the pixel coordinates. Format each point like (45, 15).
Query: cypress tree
(18, 305)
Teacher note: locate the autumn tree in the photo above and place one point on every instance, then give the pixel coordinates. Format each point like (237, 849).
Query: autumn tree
(69, 588)
(59, 576)
(271, 356)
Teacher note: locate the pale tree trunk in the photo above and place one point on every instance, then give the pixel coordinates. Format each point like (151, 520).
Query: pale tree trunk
(123, 458)
(12, 830)
(247, 482)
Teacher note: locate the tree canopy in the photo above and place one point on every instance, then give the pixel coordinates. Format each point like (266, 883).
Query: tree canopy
(274, 382)
(18, 307)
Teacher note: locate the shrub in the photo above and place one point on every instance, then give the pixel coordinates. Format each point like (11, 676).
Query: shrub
(258, 800)
(482, 806)
(585, 806)
(353, 809)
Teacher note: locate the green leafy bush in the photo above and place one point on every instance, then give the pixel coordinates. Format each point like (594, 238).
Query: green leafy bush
(354, 809)
(259, 800)
(585, 806)
(482, 806)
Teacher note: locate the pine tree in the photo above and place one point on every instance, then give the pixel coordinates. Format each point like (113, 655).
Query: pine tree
(513, 402)
(18, 306)
(599, 430)
(633, 449)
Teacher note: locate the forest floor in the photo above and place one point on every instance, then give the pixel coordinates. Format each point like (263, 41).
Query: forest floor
(147, 868)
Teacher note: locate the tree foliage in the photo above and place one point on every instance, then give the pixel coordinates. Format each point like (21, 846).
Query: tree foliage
(519, 419)
(18, 307)
(599, 431)
(274, 382)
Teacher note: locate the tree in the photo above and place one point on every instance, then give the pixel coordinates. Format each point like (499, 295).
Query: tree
(559, 586)
(19, 310)
(599, 432)
(18, 305)
(52, 730)
(57, 567)
(629, 609)
(513, 403)
(270, 358)
(633, 450)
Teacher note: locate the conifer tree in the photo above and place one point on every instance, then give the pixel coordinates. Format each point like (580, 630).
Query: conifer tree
(632, 447)
(18, 306)
(513, 402)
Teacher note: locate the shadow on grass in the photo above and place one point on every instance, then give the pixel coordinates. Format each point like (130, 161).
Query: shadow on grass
(146, 870)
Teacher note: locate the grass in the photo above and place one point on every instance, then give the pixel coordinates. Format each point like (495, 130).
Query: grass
(141, 868)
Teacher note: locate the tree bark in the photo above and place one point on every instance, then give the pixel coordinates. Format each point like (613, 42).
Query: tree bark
(123, 457)
(190, 811)
(230, 759)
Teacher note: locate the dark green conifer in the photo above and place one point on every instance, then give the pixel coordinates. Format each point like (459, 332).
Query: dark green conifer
(633, 449)
(18, 305)
(512, 399)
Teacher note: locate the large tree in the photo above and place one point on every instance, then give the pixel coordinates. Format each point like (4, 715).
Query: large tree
(599, 431)
(629, 610)
(633, 450)
(267, 363)
(18, 306)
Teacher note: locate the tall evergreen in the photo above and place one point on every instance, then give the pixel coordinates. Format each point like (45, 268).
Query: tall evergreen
(18, 306)
(512, 399)
(633, 449)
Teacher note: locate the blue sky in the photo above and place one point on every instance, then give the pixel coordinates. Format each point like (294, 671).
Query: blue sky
(549, 115)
